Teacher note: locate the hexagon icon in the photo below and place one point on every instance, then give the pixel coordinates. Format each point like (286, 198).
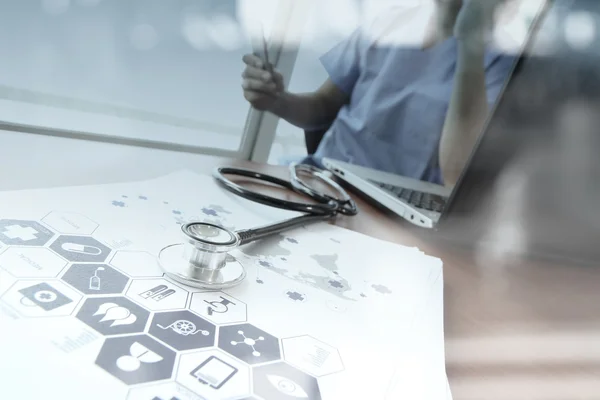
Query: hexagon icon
(31, 262)
(136, 264)
(183, 330)
(162, 391)
(214, 374)
(136, 359)
(157, 294)
(95, 279)
(24, 233)
(281, 381)
(113, 315)
(311, 355)
(80, 249)
(70, 223)
(249, 343)
(50, 298)
(218, 307)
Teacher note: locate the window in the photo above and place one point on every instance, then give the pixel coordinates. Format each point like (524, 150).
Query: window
(133, 71)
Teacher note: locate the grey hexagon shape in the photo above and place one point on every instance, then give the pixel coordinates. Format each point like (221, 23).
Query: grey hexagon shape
(183, 330)
(41, 298)
(113, 315)
(136, 359)
(214, 374)
(281, 381)
(249, 343)
(24, 233)
(80, 248)
(95, 279)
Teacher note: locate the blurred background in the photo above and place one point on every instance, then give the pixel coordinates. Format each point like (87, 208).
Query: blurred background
(160, 75)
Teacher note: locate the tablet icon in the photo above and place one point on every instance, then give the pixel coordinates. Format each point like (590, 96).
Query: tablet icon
(214, 372)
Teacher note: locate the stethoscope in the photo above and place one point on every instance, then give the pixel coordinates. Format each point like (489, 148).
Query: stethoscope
(203, 259)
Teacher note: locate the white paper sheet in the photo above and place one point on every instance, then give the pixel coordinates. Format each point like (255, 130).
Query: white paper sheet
(324, 313)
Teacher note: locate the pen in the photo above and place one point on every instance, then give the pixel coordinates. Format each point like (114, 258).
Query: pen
(265, 49)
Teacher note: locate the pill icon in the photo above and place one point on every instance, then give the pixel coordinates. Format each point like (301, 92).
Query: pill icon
(81, 249)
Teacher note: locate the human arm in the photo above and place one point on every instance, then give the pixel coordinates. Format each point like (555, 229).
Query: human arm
(312, 110)
(469, 108)
(466, 114)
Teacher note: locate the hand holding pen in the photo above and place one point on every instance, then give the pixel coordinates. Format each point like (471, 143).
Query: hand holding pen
(262, 84)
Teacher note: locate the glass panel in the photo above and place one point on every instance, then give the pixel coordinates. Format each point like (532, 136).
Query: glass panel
(328, 23)
(152, 69)
(333, 21)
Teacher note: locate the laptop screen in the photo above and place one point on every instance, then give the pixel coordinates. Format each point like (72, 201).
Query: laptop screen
(532, 184)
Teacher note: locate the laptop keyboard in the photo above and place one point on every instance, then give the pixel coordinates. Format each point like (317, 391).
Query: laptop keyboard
(426, 201)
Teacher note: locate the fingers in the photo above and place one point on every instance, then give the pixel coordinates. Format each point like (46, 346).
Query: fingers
(259, 86)
(257, 74)
(253, 61)
(257, 79)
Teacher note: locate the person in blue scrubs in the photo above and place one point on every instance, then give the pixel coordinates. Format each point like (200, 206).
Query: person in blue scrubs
(413, 111)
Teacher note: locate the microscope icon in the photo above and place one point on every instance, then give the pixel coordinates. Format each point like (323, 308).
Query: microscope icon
(220, 307)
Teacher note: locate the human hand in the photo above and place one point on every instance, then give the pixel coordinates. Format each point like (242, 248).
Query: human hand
(261, 87)
(475, 21)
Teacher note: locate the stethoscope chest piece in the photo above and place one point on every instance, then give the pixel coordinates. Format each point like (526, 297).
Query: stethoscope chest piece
(202, 260)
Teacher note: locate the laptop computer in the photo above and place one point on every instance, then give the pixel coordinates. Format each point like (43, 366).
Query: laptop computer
(419, 202)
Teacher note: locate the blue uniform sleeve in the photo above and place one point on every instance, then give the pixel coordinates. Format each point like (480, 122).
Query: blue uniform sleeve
(342, 62)
(496, 75)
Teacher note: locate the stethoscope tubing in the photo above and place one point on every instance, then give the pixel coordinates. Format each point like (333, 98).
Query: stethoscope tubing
(327, 207)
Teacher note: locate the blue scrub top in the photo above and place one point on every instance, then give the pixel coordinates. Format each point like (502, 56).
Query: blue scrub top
(398, 103)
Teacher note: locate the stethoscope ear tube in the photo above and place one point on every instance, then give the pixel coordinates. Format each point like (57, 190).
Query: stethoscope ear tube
(346, 205)
(325, 209)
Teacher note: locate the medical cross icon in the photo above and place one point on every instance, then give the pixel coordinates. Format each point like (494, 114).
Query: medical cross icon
(24, 233)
